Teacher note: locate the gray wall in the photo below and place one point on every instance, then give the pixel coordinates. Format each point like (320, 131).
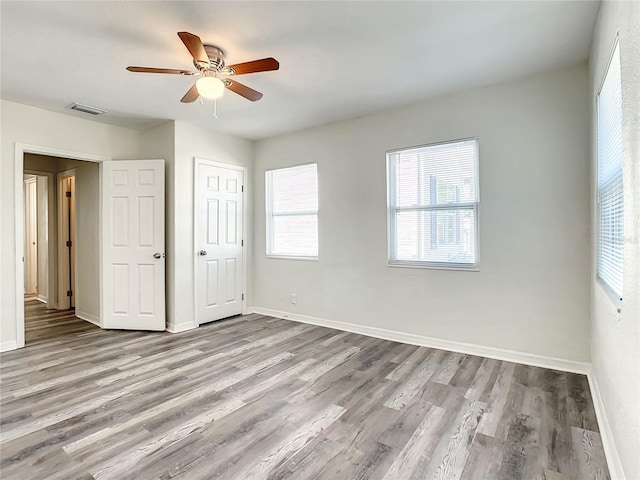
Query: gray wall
(179, 144)
(532, 292)
(615, 338)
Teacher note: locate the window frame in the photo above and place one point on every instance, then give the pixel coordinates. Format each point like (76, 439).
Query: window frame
(614, 296)
(269, 230)
(393, 210)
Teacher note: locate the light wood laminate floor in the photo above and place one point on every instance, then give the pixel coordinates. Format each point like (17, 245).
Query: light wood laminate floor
(261, 398)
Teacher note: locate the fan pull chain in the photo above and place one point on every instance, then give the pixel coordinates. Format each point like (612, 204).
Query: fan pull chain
(215, 108)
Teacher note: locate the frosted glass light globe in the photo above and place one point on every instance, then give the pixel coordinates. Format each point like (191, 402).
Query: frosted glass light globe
(210, 87)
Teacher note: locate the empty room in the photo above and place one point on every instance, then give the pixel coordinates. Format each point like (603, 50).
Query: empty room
(331, 240)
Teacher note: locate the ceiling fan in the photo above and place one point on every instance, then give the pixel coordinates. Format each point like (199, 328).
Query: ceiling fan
(209, 61)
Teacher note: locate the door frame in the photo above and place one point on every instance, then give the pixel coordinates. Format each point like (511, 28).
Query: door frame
(20, 150)
(202, 161)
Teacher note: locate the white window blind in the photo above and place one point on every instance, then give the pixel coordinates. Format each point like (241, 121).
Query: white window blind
(610, 193)
(292, 211)
(433, 205)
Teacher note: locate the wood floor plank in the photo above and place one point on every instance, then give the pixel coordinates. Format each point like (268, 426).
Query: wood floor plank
(415, 381)
(118, 465)
(255, 397)
(484, 380)
(292, 444)
(589, 452)
(521, 439)
(419, 448)
(450, 456)
(497, 400)
(484, 459)
(319, 370)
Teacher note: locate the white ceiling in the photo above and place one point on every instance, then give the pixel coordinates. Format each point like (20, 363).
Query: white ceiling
(338, 60)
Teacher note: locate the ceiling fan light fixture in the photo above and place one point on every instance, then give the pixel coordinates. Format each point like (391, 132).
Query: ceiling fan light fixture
(209, 62)
(210, 87)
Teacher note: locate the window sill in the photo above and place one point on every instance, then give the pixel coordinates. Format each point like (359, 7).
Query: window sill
(290, 257)
(474, 268)
(611, 295)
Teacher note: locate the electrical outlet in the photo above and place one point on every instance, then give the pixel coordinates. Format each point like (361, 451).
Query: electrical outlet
(294, 298)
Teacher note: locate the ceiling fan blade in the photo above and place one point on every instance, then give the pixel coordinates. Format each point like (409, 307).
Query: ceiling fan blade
(195, 47)
(191, 96)
(243, 90)
(173, 71)
(262, 65)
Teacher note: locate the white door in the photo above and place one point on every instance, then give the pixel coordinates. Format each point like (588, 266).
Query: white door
(30, 237)
(133, 263)
(218, 241)
(67, 239)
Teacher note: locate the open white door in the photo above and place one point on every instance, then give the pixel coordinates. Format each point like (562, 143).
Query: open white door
(133, 263)
(218, 241)
(30, 236)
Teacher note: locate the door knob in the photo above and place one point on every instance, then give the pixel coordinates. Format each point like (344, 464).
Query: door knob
(158, 255)
(203, 252)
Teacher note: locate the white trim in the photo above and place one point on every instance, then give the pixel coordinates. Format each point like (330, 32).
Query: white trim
(20, 150)
(423, 341)
(41, 298)
(291, 257)
(245, 242)
(397, 264)
(7, 346)
(89, 318)
(181, 327)
(606, 435)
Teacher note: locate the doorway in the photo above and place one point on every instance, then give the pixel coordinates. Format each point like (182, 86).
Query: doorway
(126, 207)
(66, 263)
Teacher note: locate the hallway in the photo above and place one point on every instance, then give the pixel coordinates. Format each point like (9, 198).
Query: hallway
(44, 325)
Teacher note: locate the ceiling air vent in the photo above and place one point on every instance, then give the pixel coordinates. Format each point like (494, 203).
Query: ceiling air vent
(86, 109)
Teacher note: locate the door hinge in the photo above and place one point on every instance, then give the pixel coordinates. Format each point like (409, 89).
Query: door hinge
(243, 296)
(68, 194)
(69, 293)
(68, 243)
(242, 188)
(242, 243)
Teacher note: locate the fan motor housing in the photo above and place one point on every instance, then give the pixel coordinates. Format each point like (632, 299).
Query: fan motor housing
(216, 58)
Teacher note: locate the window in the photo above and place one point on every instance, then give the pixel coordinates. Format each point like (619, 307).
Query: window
(292, 211)
(433, 205)
(610, 229)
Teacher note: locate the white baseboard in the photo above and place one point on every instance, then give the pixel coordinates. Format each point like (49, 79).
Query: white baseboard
(420, 340)
(42, 298)
(606, 435)
(88, 317)
(181, 327)
(7, 346)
